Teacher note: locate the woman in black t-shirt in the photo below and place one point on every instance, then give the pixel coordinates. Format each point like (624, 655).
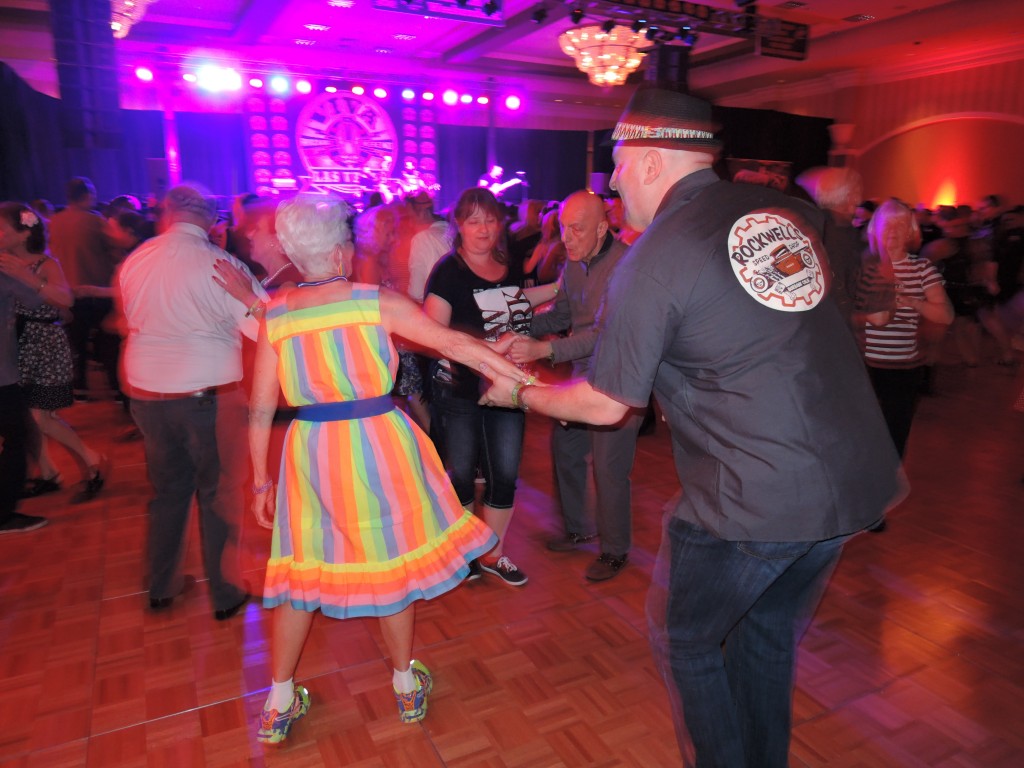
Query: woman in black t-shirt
(477, 289)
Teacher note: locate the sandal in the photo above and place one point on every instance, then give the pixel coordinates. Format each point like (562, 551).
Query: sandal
(37, 486)
(94, 483)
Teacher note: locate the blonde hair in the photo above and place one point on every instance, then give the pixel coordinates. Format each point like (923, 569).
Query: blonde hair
(310, 228)
(893, 213)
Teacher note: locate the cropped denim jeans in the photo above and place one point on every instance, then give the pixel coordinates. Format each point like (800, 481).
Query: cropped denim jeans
(472, 436)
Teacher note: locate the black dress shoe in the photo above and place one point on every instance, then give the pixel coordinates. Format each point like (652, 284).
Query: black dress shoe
(223, 614)
(162, 603)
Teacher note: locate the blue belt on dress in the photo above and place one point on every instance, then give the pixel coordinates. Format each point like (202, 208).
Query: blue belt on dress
(350, 409)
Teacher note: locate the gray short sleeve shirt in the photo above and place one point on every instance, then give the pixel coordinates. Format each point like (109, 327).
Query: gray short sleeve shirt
(721, 308)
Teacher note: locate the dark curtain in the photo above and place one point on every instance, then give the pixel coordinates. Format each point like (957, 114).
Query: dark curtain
(462, 159)
(34, 161)
(554, 163)
(213, 151)
(757, 134)
(32, 158)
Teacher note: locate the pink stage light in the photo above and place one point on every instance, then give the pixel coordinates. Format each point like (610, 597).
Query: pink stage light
(144, 74)
(450, 98)
(331, 89)
(358, 90)
(278, 84)
(466, 98)
(408, 94)
(255, 82)
(380, 93)
(483, 100)
(513, 102)
(428, 96)
(189, 77)
(303, 86)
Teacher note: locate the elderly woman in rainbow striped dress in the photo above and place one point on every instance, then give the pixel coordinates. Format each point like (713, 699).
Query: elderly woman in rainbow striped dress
(367, 522)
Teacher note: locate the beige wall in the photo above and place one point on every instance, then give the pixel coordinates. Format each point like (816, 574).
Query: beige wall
(958, 133)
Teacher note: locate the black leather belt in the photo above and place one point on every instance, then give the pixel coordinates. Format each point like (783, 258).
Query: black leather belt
(145, 394)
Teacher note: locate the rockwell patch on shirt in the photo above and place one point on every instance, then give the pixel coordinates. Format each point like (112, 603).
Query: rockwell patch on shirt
(775, 262)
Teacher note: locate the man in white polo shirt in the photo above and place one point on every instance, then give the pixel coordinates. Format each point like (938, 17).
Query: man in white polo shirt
(183, 367)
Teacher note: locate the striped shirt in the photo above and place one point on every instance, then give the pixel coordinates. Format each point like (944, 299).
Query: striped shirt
(894, 345)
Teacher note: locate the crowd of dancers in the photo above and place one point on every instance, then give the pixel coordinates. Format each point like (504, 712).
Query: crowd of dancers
(403, 349)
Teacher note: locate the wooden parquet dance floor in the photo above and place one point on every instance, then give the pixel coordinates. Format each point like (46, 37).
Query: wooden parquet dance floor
(916, 657)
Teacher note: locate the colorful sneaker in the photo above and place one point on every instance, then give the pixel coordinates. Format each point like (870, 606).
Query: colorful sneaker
(505, 570)
(274, 726)
(412, 706)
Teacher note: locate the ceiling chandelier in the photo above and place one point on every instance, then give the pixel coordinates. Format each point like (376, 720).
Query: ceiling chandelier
(607, 54)
(126, 13)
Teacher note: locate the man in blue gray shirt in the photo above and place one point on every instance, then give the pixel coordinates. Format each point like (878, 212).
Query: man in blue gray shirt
(722, 308)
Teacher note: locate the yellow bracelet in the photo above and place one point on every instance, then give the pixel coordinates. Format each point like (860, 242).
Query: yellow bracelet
(254, 308)
(518, 390)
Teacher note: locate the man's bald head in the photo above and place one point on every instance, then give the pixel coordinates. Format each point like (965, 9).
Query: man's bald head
(584, 225)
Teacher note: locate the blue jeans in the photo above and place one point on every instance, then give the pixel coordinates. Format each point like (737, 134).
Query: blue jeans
(195, 447)
(474, 436)
(755, 599)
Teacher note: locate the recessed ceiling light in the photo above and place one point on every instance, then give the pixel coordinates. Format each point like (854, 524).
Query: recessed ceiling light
(404, 37)
(860, 17)
(305, 42)
(382, 51)
(341, 3)
(316, 27)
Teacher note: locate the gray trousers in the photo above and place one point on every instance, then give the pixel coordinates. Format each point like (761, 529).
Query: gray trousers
(195, 447)
(592, 467)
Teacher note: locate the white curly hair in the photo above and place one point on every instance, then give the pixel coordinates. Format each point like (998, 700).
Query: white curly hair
(310, 228)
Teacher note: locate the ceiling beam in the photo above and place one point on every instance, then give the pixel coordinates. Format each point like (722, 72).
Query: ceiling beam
(259, 16)
(496, 38)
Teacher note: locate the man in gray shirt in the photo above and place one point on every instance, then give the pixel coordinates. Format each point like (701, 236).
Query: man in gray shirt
(586, 457)
(722, 308)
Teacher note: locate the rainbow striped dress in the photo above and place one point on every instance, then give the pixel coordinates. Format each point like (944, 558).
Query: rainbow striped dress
(367, 520)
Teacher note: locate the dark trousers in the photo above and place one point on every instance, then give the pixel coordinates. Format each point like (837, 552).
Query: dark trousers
(195, 446)
(898, 390)
(87, 324)
(14, 433)
(755, 599)
(592, 467)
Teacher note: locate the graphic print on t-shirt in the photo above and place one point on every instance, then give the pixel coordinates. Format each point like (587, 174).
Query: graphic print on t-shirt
(775, 262)
(504, 309)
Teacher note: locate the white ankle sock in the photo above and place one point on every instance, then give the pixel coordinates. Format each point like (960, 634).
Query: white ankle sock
(281, 694)
(404, 682)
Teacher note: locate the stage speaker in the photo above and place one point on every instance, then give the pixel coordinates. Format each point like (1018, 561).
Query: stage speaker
(667, 65)
(87, 71)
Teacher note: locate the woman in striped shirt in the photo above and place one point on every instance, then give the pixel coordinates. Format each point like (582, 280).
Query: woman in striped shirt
(897, 289)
